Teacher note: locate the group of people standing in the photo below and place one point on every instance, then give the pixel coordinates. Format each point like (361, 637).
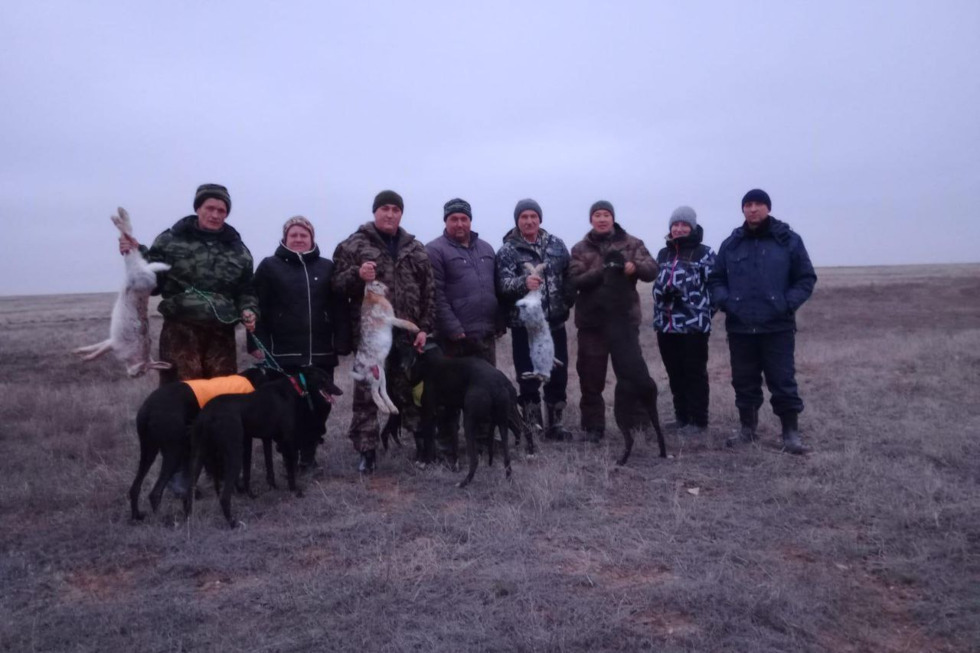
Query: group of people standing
(303, 309)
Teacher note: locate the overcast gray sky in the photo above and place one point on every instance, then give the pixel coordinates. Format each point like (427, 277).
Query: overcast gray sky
(859, 118)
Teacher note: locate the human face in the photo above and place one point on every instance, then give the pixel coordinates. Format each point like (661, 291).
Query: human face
(755, 214)
(212, 214)
(679, 230)
(387, 218)
(298, 239)
(529, 224)
(602, 222)
(458, 226)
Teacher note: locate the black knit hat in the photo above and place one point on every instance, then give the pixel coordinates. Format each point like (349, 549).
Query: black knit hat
(757, 195)
(387, 197)
(527, 205)
(208, 191)
(456, 205)
(603, 204)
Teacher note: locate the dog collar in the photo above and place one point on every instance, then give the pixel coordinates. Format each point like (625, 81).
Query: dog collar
(300, 390)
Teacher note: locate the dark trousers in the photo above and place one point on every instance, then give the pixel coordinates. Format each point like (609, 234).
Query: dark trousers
(554, 389)
(685, 355)
(770, 355)
(197, 351)
(592, 365)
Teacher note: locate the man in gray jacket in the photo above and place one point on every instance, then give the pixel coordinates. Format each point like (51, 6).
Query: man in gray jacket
(466, 299)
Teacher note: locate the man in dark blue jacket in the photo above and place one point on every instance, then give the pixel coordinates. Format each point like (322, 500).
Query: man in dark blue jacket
(762, 275)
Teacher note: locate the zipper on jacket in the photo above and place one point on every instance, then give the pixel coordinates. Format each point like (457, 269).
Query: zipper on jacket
(309, 306)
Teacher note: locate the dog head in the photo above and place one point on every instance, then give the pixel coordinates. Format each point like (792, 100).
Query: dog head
(315, 381)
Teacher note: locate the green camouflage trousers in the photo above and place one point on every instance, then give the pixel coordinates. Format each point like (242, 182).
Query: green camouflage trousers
(364, 430)
(197, 351)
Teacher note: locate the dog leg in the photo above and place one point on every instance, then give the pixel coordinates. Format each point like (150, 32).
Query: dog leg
(270, 473)
(471, 414)
(197, 462)
(233, 465)
(623, 401)
(148, 454)
(169, 466)
(246, 484)
(651, 408)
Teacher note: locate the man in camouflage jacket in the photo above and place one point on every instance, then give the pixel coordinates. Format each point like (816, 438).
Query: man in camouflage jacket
(381, 250)
(528, 243)
(207, 290)
(586, 276)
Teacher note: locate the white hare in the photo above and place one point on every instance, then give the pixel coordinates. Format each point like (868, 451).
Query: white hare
(129, 329)
(542, 347)
(377, 320)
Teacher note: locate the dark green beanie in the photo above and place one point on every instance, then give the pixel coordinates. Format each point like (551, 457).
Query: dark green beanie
(209, 191)
(387, 197)
(456, 205)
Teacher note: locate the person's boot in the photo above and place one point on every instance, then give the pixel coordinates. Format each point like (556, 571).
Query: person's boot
(595, 435)
(791, 435)
(307, 459)
(555, 430)
(366, 465)
(749, 420)
(680, 421)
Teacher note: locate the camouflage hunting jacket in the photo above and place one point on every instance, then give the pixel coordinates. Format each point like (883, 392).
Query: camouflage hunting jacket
(586, 273)
(408, 275)
(210, 276)
(680, 293)
(557, 295)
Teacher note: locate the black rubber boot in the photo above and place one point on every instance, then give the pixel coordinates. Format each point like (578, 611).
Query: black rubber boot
(595, 435)
(366, 465)
(791, 435)
(749, 420)
(307, 459)
(555, 430)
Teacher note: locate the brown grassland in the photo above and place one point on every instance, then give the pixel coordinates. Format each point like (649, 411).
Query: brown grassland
(870, 543)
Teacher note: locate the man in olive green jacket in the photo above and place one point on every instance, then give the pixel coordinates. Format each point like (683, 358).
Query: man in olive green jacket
(207, 290)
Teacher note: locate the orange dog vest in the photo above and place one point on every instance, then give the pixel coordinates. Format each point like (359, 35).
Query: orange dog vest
(207, 389)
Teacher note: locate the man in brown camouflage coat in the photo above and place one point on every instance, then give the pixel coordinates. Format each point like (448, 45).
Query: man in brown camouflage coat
(381, 250)
(585, 272)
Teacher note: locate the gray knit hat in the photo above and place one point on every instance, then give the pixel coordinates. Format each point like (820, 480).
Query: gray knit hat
(456, 205)
(209, 191)
(527, 205)
(684, 214)
(600, 205)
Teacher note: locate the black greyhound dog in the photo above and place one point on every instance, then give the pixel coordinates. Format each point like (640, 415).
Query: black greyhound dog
(163, 426)
(221, 440)
(634, 385)
(484, 394)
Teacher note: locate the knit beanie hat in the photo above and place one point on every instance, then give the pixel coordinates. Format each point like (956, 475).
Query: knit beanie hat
(298, 220)
(683, 214)
(208, 191)
(387, 197)
(757, 195)
(527, 205)
(600, 205)
(456, 205)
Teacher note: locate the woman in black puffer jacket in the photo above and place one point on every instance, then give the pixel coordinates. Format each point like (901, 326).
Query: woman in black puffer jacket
(302, 322)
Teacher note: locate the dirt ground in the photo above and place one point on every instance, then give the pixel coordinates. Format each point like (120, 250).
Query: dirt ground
(870, 543)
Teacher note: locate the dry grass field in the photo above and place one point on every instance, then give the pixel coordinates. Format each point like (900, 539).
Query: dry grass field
(871, 543)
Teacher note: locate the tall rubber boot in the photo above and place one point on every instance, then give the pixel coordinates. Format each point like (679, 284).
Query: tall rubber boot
(791, 435)
(555, 430)
(749, 420)
(367, 462)
(531, 413)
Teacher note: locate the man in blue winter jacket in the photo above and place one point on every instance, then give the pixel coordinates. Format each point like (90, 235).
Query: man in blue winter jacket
(762, 276)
